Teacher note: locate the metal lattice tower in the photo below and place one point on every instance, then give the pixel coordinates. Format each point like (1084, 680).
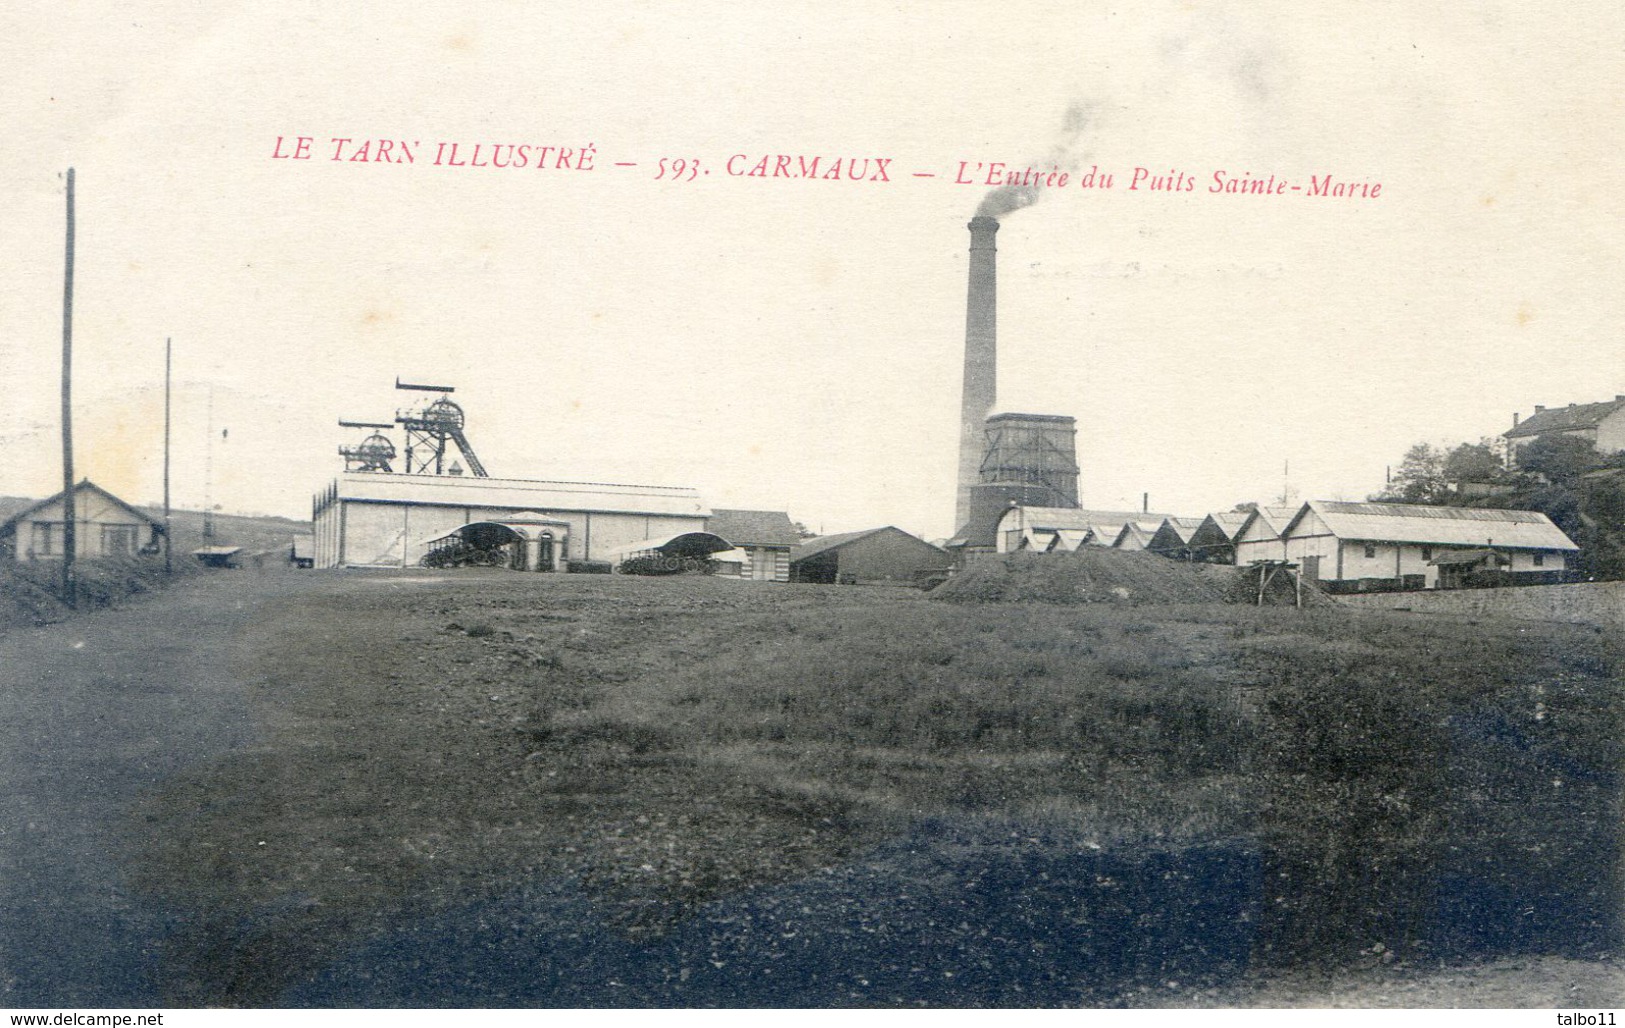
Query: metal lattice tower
(374, 453)
(431, 431)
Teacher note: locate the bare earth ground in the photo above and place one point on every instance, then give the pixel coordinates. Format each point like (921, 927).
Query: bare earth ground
(490, 789)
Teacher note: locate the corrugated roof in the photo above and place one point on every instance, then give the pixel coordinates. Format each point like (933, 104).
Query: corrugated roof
(753, 527)
(1445, 526)
(1052, 518)
(1219, 529)
(1171, 529)
(1133, 532)
(521, 494)
(1274, 519)
(1566, 419)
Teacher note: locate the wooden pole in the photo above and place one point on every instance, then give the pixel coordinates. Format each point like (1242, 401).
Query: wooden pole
(169, 564)
(69, 535)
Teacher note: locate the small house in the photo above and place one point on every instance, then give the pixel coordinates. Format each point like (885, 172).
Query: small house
(104, 526)
(1600, 424)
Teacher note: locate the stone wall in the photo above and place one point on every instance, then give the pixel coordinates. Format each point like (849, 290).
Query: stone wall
(1594, 603)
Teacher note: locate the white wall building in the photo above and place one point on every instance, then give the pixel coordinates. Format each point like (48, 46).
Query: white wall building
(103, 525)
(1344, 542)
(1600, 424)
(371, 519)
(1259, 537)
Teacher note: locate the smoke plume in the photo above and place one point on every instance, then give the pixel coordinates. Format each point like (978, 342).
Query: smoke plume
(1064, 155)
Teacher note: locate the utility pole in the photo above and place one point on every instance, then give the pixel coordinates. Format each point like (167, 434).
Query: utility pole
(169, 565)
(69, 535)
(208, 477)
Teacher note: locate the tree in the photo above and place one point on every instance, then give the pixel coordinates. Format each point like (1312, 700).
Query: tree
(1420, 478)
(1560, 459)
(1472, 462)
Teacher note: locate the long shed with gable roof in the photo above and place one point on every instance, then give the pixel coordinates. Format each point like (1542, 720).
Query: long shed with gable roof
(1387, 545)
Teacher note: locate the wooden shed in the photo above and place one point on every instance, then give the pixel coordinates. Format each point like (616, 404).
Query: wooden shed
(762, 541)
(1214, 541)
(1173, 539)
(876, 556)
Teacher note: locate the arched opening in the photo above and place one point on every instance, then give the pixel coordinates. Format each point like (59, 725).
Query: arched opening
(482, 544)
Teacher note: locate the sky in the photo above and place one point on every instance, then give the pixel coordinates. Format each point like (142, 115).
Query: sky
(796, 344)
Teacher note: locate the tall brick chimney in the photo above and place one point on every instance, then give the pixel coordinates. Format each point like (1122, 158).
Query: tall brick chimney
(981, 358)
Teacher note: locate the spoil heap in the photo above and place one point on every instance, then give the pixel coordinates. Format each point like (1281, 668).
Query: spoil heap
(1092, 574)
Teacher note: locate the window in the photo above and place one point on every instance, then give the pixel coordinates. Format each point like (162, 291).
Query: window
(1427, 553)
(1370, 550)
(118, 540)
(1540, 560)
(47, 541)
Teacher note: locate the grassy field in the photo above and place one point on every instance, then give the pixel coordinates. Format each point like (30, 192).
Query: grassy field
(1206, 795)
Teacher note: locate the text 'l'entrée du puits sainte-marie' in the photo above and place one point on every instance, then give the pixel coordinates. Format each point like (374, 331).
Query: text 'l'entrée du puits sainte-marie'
(1129, 179)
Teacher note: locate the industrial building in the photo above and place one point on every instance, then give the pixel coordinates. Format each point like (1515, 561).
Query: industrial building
(368, 519)
(104, 526)
(444, 501)
(1362, 546)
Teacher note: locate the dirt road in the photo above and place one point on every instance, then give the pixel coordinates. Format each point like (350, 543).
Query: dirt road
(93, 712)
